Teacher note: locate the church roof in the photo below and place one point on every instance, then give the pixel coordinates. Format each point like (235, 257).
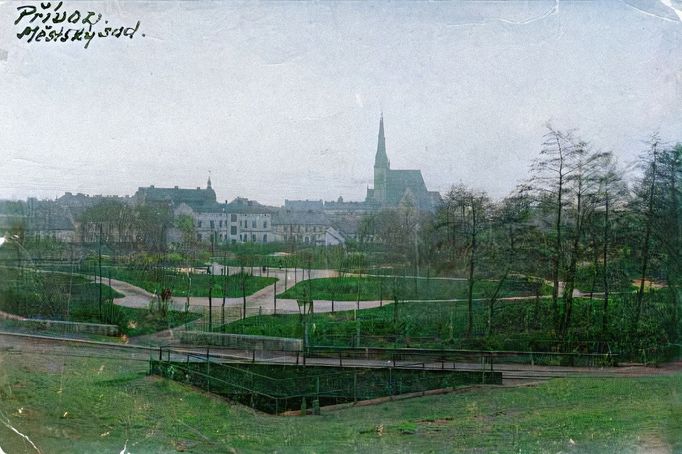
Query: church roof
(400, 181)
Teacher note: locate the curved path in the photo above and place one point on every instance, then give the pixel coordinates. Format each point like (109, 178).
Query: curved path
(263, 301)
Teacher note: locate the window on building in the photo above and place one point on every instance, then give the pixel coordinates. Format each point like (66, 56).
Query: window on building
(199, 236)
(220, 223)
(265, 238)
(199, 224)
(265, 224)
(233, 230)
(253, 224)
(253, 237)
(233, 217)
(212, 224)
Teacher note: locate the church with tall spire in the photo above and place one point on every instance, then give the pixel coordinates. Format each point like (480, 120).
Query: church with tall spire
(395, 188)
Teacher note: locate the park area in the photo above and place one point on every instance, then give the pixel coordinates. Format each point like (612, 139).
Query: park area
(182, 281)
(374, 288)
(524, 324)
(67, 297)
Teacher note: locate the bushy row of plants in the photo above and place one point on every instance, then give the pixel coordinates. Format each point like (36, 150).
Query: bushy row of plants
(525, 325)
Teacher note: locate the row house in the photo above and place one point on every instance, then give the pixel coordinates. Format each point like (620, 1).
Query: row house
(239, 221)
(305, 227)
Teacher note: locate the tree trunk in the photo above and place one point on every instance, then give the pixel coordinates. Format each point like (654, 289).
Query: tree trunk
(557, 253)
(472, 260)
(572, 269)
(605, 269)
(493, 299)
(645, 251)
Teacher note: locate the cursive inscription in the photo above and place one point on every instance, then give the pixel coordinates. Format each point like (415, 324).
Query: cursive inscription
(47, 22)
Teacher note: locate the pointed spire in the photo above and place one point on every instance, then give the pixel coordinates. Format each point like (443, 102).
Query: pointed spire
(208, 183)
(380, 159)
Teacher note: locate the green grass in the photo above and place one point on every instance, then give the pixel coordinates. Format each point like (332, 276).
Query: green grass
(525, 325)
(66, 404)
(59, 296)
(155, 280)
(374, 289)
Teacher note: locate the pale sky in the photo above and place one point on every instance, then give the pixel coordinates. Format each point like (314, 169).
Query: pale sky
(282, 100)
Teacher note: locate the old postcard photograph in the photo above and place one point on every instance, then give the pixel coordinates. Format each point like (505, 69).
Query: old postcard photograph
(341, 226)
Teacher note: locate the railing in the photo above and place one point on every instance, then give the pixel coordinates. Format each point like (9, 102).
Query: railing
(225, 373)
(452, 356)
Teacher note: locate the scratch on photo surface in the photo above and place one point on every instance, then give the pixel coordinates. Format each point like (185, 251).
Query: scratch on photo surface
(5, 421)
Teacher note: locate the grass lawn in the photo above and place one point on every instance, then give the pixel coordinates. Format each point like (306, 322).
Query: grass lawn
(155, 280)
(373, 289)
(58, 296)
(74, 404)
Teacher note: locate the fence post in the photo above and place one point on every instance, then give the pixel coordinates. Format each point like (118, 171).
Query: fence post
(355, 386)
(160, 353)
(275, 299)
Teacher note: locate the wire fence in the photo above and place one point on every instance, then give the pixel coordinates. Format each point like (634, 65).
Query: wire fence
(276, 387)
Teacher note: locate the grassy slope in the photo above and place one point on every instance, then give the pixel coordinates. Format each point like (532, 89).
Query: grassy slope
(68, 404)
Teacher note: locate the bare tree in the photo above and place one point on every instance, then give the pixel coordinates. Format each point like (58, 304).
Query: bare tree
(550, 173)
(468, 213)
(645, 204)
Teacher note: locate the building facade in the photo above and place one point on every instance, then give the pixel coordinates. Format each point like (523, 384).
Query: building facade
(393, 188)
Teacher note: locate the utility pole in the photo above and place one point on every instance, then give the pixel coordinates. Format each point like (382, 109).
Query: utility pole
(100, 271)
(210, 308)
(244, 296)
(222, 311)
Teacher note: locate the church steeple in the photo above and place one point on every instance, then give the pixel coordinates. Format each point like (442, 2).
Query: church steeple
(380, 159)
(208, 183)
